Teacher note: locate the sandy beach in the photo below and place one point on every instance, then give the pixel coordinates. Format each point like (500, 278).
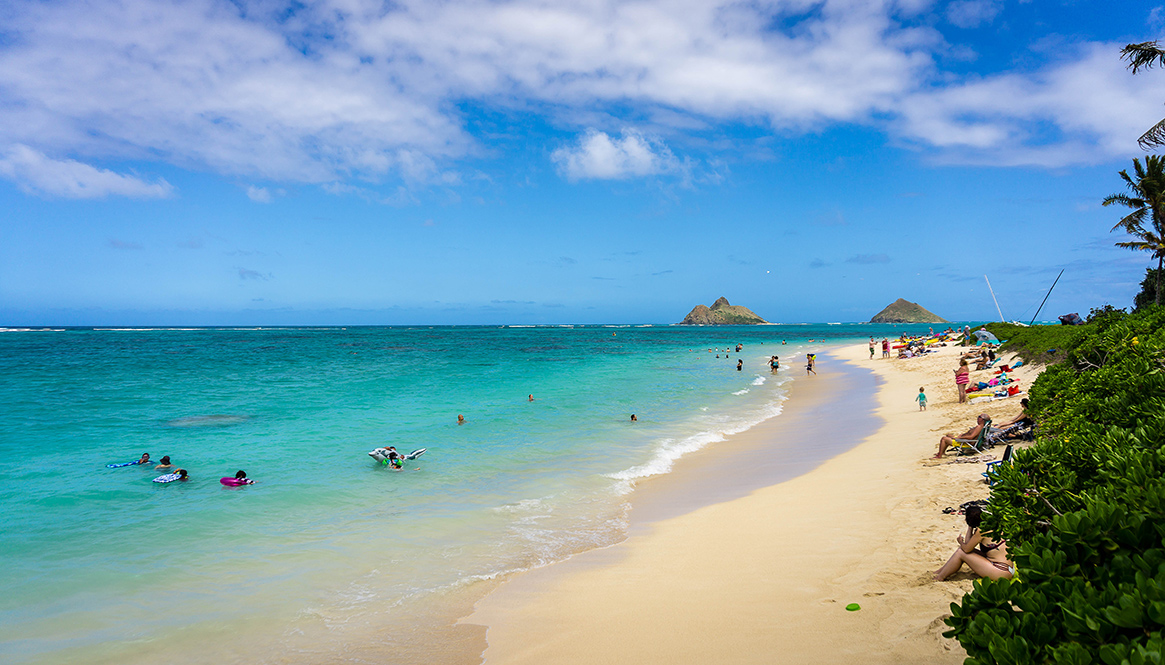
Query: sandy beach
(763, 574)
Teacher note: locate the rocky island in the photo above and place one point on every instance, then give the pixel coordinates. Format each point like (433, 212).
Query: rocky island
(721, 314)
(904, 311)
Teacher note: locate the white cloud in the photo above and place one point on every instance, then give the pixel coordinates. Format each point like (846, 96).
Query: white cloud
(973, 13)
(597, 156)
(33, 172)
(259, 194)
(1084, 109)
(250, 88)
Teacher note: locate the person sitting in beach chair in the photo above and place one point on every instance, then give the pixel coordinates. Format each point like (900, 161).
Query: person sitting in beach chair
(1018, 427)
(1023, 416)
(971, 442)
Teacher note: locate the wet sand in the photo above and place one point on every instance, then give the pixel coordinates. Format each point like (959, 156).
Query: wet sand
(727, 563)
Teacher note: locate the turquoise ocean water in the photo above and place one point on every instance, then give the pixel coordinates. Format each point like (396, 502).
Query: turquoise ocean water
(330, 549)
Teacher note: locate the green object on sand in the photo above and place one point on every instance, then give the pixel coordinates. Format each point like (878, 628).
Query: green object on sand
(852, 607)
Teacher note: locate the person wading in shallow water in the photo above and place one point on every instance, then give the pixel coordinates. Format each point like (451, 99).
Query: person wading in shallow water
(811, 364)
(739, 365)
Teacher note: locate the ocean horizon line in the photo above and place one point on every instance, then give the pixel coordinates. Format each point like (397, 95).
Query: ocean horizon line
(131, 327)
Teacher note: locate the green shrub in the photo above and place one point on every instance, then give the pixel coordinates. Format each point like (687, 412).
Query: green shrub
(1032, 343)
(1083, 510)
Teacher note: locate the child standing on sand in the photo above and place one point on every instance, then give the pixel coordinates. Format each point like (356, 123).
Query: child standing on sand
(921, 399)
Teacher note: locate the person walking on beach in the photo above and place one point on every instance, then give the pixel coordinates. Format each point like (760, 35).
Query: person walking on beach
(921, 399)
(962, 378)
(811, 364)
(871, 348)
(885, 348)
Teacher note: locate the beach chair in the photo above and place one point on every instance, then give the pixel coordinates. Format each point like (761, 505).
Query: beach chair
(974, 446)
(993, 467)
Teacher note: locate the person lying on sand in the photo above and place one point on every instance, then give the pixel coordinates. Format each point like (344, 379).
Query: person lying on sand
(984, 556)
(970, 436)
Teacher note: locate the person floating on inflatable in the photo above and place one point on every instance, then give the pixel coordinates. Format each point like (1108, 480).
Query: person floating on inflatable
(393, 458)
(179, 474)
(239, 480)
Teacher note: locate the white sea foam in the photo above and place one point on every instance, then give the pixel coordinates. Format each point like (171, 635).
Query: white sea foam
(758, 381)
(525, 505)
(669, 450)
(741, 392)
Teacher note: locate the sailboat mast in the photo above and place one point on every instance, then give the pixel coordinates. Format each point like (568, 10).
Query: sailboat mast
(1046, 297)
(1001, 320)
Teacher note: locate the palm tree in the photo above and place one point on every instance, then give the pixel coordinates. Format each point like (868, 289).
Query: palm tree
(1146, 222)
(1146, 54)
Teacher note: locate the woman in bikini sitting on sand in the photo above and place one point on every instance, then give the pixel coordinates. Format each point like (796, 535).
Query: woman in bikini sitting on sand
(985, 557)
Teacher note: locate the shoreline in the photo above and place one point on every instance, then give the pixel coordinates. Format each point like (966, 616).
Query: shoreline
(769, 574)
(766, 453)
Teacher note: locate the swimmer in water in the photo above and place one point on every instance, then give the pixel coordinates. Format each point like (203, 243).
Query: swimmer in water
(144, 460)
(182, 475)
(634, 419)
(460, 419)
(531, 399)
(165, 463)
(242, 475)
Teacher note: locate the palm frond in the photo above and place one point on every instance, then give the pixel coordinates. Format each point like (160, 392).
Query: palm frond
(1133, 223)
(1135, 245)
(1153, 138)
(1133, 185)
(1124, 200)
(1143, 55)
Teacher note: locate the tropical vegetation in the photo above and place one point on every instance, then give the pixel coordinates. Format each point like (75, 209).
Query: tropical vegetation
(1146, 199)
(1083, 510)
(1149, 289)
(1143, 56)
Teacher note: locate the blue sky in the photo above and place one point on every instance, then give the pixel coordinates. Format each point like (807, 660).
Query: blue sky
(353, 162)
